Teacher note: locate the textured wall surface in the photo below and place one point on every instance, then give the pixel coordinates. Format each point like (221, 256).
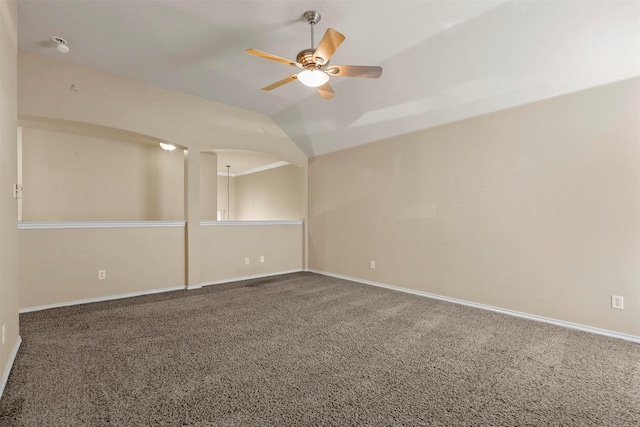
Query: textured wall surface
(8, 175)
(534, 209)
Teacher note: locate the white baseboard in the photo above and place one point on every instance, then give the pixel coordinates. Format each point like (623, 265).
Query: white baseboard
(99, 299)
(257, 276)
(563, 323)
(152, 291)
(7, 369)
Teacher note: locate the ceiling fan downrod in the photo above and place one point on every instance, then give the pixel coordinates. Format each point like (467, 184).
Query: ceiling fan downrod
(312, 17)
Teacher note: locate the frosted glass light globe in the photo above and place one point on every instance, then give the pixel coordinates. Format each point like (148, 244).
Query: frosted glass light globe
(313, 78)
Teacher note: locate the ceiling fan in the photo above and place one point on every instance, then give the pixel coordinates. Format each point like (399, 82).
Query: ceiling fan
(315, 62)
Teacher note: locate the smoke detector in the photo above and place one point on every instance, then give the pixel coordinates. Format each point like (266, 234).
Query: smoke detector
(62, 45)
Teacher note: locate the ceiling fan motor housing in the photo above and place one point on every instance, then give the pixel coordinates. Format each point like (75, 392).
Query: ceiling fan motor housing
(306, 59)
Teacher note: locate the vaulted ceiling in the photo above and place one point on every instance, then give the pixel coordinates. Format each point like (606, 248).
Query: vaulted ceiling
(443, 60)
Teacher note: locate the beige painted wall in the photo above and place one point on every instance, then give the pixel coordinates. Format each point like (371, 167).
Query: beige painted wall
(223, 202)
(224, 250)
(272, 194)
(61, 265)
(71, 177)
(208, 186)
(534, 209)
(108, 100)
(8, 173)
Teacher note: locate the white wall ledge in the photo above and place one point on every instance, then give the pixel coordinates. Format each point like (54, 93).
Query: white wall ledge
(224, 223)
(45, 225)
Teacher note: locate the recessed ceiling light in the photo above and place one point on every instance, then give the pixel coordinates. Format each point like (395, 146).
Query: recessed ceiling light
(62, 45)
(166, 146)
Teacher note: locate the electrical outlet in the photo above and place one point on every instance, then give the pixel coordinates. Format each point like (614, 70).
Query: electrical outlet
(372, 265)
(4, 333)
(102, 274)
(17, 191)
(246, 260)
(617, 302)
(261, 259)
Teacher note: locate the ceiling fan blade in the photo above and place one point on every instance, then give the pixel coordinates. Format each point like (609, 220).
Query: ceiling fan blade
(281, 82)
(272, 57)
(326, 91)
(372, 72)
(329, 43)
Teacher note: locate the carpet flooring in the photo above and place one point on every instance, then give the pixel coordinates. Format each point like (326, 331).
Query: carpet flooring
(309, 350)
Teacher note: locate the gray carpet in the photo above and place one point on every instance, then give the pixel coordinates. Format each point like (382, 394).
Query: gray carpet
(309, 350)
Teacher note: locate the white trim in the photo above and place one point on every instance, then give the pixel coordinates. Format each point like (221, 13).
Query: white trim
(7, 369)
(153, 291)
(254, 170)
(257, 276)
(97, 224)
(223, 223)
(100, 299)
(557, 322)
(262, 168)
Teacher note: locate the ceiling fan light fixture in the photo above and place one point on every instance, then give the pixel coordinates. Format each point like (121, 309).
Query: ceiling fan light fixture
(313, 78)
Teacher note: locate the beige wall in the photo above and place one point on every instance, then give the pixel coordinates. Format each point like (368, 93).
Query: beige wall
(208, 186)
(224, 250)
(223, 202)
(534, 209)
(108, 129)
(8, 173)
(71, 177)
(273, 194)
(61, 265)
(108, 100)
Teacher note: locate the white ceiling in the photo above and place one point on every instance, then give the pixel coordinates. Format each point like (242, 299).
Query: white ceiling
(443, 60)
